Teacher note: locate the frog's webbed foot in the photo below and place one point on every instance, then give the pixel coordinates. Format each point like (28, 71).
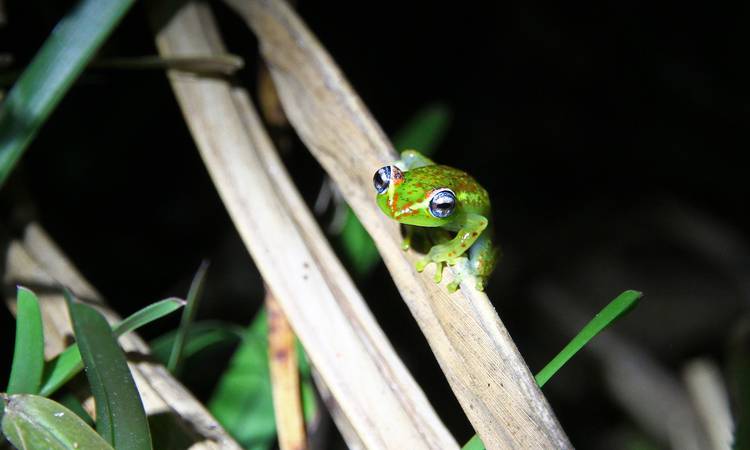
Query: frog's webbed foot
(439, 266)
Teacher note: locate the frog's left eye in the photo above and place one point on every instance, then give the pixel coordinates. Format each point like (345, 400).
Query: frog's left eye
(442, 203)
(382, 179)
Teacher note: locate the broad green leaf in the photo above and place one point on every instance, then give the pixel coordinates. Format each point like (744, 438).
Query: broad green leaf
(28, 355)
(68, 363)
(202, 335)
(31, 422)
(194, 294)
(613, 311)
(242, 401)
(53, 70)
(120, 417)
(423, 133)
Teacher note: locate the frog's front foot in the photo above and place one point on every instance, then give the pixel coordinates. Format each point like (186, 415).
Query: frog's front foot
(439, 265)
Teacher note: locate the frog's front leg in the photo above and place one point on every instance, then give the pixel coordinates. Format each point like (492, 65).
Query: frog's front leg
(472, 227)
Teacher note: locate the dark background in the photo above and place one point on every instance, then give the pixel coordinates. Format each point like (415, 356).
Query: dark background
(608, 135)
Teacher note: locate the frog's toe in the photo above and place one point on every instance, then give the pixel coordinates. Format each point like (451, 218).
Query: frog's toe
(481, 283)
(422, 263)
(453, 286)
(439, 271)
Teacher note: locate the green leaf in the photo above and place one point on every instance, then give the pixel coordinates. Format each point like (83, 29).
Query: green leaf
(120, 418)
(614, 310)
(201, 336)
(423, 132)
(194, 294)
(51, 73)
(148, 314)
(242, 401)
(28, 356)
(474, 444)
(68, 363)
(31, 422)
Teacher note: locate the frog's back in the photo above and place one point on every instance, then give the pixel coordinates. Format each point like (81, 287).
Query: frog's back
(472, 197)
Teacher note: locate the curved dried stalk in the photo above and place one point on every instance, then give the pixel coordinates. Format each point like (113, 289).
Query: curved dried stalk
(38, 263)
(481, 362)
(282, 360)
(376, 394)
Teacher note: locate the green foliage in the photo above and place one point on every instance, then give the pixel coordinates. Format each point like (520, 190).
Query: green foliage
(121, 419)
(613, 311)
(31, 422)
(201, 336)
(243, 402)
(51, 73)
(194, 293)
(67, 364)
(28, 355)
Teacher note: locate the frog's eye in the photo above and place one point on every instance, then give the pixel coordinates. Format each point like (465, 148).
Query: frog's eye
(382, 179)
(442, 203)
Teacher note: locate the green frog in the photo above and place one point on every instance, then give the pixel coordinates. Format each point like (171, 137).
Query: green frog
(442, 200)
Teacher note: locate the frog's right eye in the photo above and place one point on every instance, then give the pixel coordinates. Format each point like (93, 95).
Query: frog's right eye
(382, 179)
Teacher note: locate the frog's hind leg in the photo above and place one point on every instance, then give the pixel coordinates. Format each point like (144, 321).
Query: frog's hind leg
(483, 257)
(412, 159)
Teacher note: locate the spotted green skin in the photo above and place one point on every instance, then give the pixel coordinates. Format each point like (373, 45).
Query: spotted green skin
(407, 201)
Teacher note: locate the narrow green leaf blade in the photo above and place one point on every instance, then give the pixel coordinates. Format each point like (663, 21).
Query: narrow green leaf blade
(28, 356)
(615, 309)
(147, 315)
(53, 70)
(201, 336)
(194, 294)
(31, 422)
(120, 419)
(474, 444)
(68, 363)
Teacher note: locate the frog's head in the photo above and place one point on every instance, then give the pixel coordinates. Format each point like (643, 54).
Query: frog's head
(410, 201)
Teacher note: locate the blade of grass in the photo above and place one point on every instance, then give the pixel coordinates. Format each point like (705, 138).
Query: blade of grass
(202, 335)
(28, 355)
(618, 307)
(614, 310)
(53, 70)
(68, 363)
(193, 296)
(31, 422)
(120, 417)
